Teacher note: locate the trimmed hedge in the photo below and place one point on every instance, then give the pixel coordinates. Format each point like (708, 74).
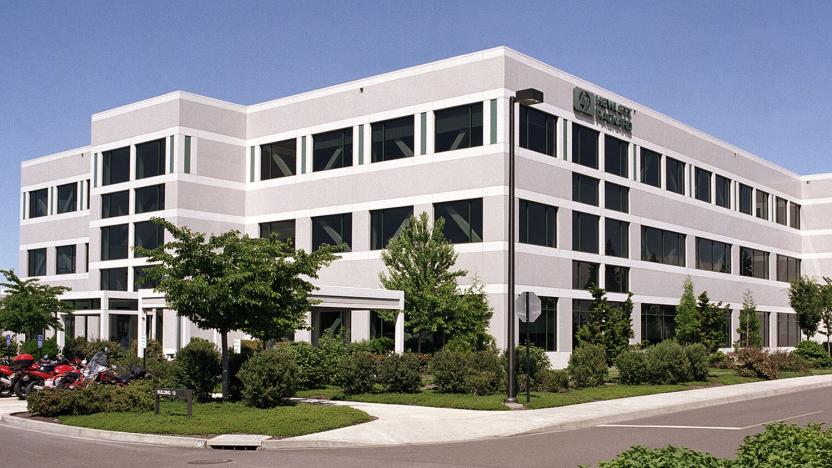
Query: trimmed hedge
(50, 402)
(356, 372)
(198, 367)
(667, 362)
(588, 366)
(269, 378)
(479, 373)
(549, 380)
(399, 373)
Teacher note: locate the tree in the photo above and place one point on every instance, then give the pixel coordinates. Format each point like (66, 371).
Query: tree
(592, 330)
(826, 311)
(712, 324)
(471, 316)
(231, 281)
(606, 325)
(805, 299)
(30, 306)
(687, 321)
(749, 329)
(619, 329)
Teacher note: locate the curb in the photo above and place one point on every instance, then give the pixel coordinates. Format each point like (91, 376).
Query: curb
(100, 434)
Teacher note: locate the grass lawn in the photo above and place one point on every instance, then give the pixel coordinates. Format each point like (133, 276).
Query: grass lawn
(424, 398)
(225, 418)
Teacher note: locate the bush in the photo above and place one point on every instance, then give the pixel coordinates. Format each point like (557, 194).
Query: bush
(448, 369)
(332, 346)
(789, 362)
(198, 367)
(9, 351)
(814, 353)
(84, 349)
(697, 356)
(357, 372)
(632, 367)
(588, 366)
(50, 348)
(755, 362)
(399, 373)
(668, 457)
(537, 356)
(479, 372)
(720, 360)
(549, 380)
(248, 348)
(787, 445)
(311, 370)
(138, 396)
(269, 378)
(666, 363)
(382, 345)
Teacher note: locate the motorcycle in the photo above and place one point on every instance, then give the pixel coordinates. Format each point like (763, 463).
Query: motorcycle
(31, 378)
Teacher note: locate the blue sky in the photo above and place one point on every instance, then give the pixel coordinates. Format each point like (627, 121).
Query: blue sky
(753, 73)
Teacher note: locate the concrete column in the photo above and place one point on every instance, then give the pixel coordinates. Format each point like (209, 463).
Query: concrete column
(305, 335)
(564, 327)
(636, 318)
(399, 342)
(359, 325)
(141, 331)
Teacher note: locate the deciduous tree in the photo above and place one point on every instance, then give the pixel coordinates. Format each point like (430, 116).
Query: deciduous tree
(805, 299)
(31, 306)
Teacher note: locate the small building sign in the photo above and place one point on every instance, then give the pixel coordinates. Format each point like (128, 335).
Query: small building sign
(603, 109)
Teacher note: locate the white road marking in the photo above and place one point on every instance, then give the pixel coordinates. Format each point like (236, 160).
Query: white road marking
(715, 428)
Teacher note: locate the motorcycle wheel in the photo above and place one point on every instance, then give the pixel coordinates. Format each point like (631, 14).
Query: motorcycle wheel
(19, 390)
(30, 389)
(6, 391)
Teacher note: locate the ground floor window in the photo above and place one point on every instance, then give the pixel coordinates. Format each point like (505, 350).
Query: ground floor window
(788, 331)
(765, 327)
(334, 322)
(381, 328)
(580, 315)
(658, 322)
(543, 331)
(124, 329)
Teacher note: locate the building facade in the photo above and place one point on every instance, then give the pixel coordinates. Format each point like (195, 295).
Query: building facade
(609, 192)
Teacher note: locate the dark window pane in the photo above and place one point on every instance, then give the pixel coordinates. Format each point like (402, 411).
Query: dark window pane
(788, 268)
(543, 331)
(584, 189)
(538, 224)
(140, 279)
(537, 130)
(150, 159)
(723, 192)
(284, 230)
(332, 150)
(703, 185)
(794, 215)
(458, 127)
(392, 139)
(584, 232)
(765, 327)
(150, 198)
(660, 246)
(615, 156)
(65, 259)
(463, 220)
(115, 166)
(616, 197)
(651, 167)
(115, 204)
(385, 225)
(658, 322)
(617, 278)
(745, 199)
(584, 146)
(781, 208)
(114, 279)
(38, 203)
(713, 256)
(148, 235)
(617, 238)
(761, 208)
(279, 159)
(67, 198)
(753, 263)
(674, 175)
(788, 331)
(332, 230)
(114, 242)
(584, 274)
(37, 262)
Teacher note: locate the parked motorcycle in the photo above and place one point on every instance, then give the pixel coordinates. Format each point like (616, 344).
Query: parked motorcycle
(31, 378)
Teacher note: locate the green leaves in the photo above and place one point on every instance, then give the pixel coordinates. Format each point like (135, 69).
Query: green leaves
(608, 326)
(749, 329)
(806, 298)
(30, 306)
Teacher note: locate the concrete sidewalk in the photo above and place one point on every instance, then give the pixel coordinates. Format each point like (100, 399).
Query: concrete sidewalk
(11, 405)
(400, 424)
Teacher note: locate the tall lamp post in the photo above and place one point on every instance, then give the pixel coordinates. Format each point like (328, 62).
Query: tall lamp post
(525, 97)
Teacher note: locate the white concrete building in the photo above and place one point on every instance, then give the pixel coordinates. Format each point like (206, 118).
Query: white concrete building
(608, 191)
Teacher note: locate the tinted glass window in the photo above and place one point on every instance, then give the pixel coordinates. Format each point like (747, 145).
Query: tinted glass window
(67, 198)
(660, 246)
(38, 203)
(723, 191)
(713, 256)
(615, 156)
(584, 232)
(284, 230)
(332, 150)
(745, 199)
(393, 139)
(538, 224)
(616, 197)
(37, 262)
(584, 189)
(674, 175)
(761, 208)
(458, 127)
(140, 279)
(580, 316)
(463, 220)
(332, 230)
(115, 204)
(114, 279)
(650, 167)
(753, 263)
(788, 330)
(150, 199)
(658, 322)
(537, 130)
(788, 268)
(617, 238)
(278, 159)
(385, 225)
(148, 235)
(584, 274)
(794, 215)
(114, 242)
(617, 278)
(765, 327)
(703, 185)
(150, 159)
(543, 331)
(65, 259)
(584, 146)
(115, 166)
(781, 208)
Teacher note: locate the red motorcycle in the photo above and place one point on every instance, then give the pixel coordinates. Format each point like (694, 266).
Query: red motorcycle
(6, 376)
(32, 377)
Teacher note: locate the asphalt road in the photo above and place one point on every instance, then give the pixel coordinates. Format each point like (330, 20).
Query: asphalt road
(718, 429)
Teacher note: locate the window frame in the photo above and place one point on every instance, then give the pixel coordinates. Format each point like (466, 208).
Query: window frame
(267, 228)
(703, 244)
(107, 248)
(107, 204)
(473, 136)
(585, 189)
(320, 152)
(761, 204)
(269, 169)
(475, 224)
(672, 165)
(38, 200)
(578, 235)
(158, 165)
(623, 231)
(36, 267)
(725, 194)
(73, 198)
(345, 222)
(378, 149)
(616, 193)
(526, 128)
(107, 167)
(613, 153)
(663, 234)
(780, 217)
(702, 184)
(610, 272)
(585, 137)
(591, 273)
(550, 224)
(380, 242)
(788, 268)
(107, 280)
(159, 236)
(748, 264)
(646, 172)
(158, 190)
(71, 266)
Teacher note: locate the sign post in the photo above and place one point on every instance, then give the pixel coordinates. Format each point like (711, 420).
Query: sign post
(40, 341)
(238, 346)
(180, 393)
(529, 305)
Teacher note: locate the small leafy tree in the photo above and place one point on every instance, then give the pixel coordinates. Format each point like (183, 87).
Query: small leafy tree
(826, 310)
(805, 299)
(619, 329)
(712, 324)
(607, 326)
(688, 328)
(592, 331)
(471, 316)
(30, 306)
(749, 329)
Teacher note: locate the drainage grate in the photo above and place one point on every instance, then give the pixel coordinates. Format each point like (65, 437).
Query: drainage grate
(217, 461)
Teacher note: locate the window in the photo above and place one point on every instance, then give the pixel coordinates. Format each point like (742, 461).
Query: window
(745, 199)
(788, 268)
(584, 146)
(333, 230)
(660, 246)
(150, 198)
(114, 279)
(381, 328)
(713, 256)
(584, 189)
(334, 321)
(616, 197)
(753, 263)
(538, 224)
(115, 204)
(658, 322)
(37, 262)
(123, 304)
(584, 232)
(385, 225)
(537, 130)
(279, 159)
(65, 259)
(140, 279)
(703, 185)
(114, 242)
(148, 235)
(788, 331)
(458, 127)
(332, 150)
(84, 304)
(463, 220)
(584, 274)
(615, 156)
(674, 175)
(150, 159)
(651, 167)
(723, 191)
(543, 331)
(67, 198)
(38, 203)
(580, 316)
(726, 329)
(116, 166)
(780, 210)
(393, 139)
(761, 210)
(794, 215)
(284, 230)
(617, 238)
(765, 327)
(617, 278)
